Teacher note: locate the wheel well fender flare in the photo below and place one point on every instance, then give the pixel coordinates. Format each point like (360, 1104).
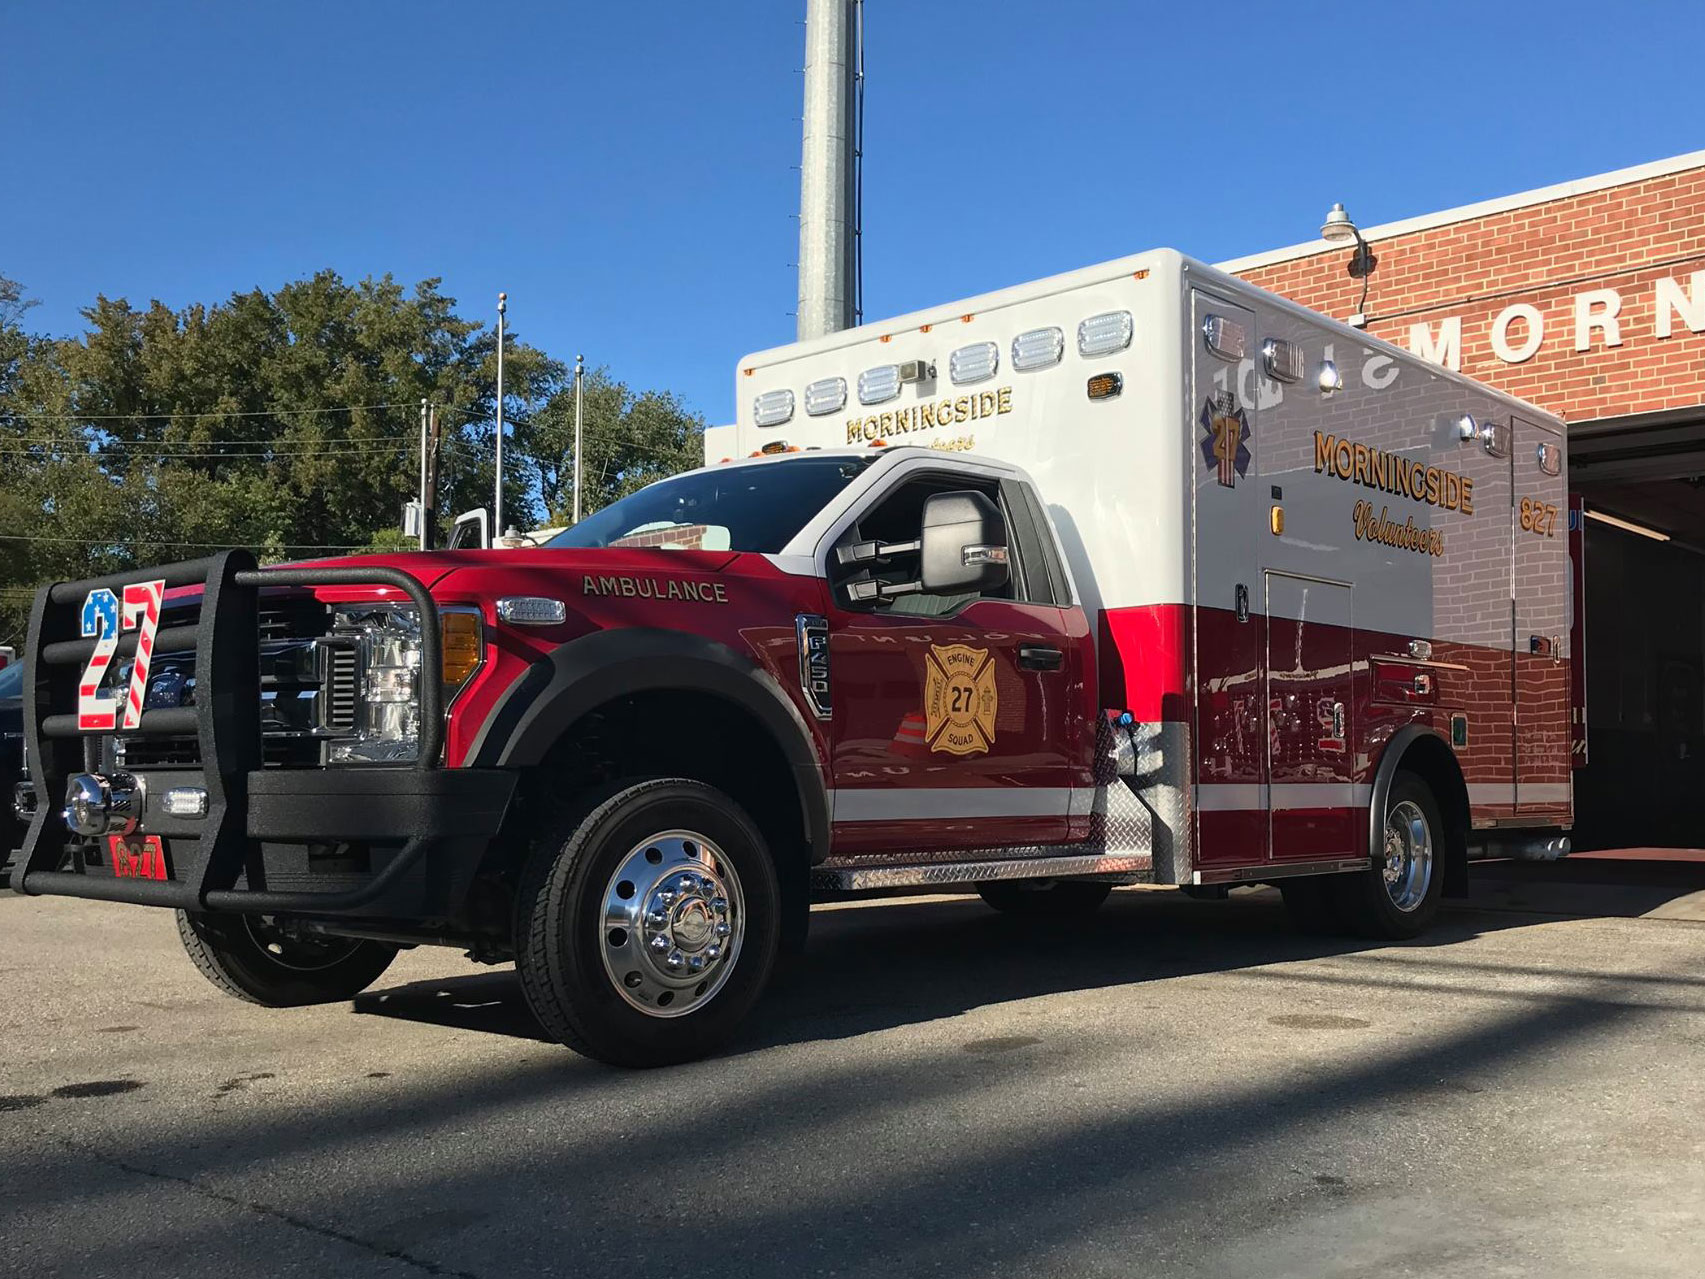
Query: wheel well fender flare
(1452, 799)
(557, 692)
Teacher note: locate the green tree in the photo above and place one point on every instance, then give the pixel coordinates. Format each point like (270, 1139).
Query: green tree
(631, 439)
(285, 421)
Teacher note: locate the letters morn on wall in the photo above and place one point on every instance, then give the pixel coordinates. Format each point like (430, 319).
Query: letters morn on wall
(1518, 330)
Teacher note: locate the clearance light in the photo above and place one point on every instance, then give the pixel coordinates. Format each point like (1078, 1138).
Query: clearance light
(879, 384)
(1037, 349)
(1327, 378)
(1104, 334)
(772, 408)
(975, 363)
(1104, 386)
(826, 395)
(1628, 526)
(1550, 458)
(1282, 360)
(1225, 338)
(774, 447)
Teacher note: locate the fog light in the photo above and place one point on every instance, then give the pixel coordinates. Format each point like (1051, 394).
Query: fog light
(185, 801)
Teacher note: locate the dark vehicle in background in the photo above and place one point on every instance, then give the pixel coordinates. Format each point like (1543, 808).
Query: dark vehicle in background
(11, 761)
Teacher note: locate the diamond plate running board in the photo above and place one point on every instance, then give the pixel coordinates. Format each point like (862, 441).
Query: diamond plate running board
(1133, 868)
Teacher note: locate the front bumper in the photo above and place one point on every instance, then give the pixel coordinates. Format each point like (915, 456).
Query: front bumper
(378, 842)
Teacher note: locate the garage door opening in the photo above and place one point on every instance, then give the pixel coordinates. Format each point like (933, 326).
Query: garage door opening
(1642, 484)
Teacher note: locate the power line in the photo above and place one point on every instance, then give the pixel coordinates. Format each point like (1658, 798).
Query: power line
(174, 416)
(145, 444)
(331, 452)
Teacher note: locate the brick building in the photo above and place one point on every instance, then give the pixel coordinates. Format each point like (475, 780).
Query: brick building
(1588, 299)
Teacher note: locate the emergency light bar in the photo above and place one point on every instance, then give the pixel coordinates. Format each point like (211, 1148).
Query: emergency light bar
(975, 363)
(1104, 334)
(1037, 349)
(826, 395)
(880, 384)
(772, 408)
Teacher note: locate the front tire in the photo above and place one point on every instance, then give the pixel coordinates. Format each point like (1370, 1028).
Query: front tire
(252, 959)
(646, 929)
(1397, 897)
(1044, 898)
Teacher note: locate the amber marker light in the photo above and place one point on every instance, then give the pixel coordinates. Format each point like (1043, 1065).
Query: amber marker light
(1276, 520)
(1104, 386)
(461, 644)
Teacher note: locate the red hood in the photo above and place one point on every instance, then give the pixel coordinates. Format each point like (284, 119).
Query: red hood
(432, 567)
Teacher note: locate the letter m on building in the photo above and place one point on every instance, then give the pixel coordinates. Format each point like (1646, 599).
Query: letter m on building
(1445, 349)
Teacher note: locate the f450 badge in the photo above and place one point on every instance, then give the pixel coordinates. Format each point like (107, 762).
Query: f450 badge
(960, 699)
(105, 617)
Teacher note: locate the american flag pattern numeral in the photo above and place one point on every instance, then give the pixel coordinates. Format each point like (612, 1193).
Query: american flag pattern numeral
(105, 616)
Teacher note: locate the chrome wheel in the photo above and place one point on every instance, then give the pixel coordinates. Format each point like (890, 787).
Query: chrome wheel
(673, 920)
(1408, 855)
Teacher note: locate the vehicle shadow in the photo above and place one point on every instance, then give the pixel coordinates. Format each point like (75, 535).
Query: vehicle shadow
(877, 965)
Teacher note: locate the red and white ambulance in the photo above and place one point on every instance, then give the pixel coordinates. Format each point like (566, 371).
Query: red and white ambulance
(1312, 566)
(1137, 573)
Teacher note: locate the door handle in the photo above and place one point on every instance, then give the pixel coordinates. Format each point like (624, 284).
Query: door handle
(1040, 657)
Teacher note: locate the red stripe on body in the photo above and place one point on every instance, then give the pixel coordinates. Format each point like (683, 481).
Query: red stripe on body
(1145, 661)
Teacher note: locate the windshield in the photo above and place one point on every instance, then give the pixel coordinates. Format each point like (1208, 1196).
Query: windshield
(742, 508)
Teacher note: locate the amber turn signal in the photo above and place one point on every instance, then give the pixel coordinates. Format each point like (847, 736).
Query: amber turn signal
(1276, 520)
(461, 646)
(1104, 386)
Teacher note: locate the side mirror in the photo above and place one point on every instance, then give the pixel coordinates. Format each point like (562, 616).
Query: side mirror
(963, 544)
(472, 531)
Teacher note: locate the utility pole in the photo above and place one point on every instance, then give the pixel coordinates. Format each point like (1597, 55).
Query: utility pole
(425, 537)
(828, 201)
(497, 521)
(579, 381)
(428, 534)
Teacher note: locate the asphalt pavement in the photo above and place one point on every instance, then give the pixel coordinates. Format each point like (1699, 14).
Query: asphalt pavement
(1175, 1088)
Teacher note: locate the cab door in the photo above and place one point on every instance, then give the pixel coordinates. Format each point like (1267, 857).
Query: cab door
(959, 723)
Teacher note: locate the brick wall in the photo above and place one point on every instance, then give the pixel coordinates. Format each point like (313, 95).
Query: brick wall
(1624, 238)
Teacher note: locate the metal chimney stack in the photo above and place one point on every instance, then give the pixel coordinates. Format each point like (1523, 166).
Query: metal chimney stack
(827, 193)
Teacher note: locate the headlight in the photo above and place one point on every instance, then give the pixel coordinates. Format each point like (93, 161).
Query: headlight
(387, 720)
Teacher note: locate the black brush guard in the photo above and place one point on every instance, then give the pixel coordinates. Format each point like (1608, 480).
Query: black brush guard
(442, 817)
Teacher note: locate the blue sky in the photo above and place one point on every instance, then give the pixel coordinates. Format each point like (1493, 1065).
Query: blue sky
(626, 171)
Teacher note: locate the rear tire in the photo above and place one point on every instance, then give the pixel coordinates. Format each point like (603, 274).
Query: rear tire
(249, 959)
(646, 928)
(1044, 898)
(1397, 897)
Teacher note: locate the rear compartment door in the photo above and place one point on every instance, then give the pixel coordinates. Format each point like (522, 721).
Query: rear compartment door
(1541, 592)
(1313, 806)
(1231, 756)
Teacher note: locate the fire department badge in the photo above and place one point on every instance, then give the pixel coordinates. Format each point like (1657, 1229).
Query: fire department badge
(1226, 443)
(960, 699)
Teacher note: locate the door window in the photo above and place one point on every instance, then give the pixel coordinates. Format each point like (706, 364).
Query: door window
(898, 517)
